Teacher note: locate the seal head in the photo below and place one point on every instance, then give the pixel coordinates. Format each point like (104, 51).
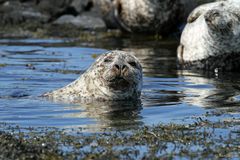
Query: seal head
(222, 22)
(211, 38)
(116, 75)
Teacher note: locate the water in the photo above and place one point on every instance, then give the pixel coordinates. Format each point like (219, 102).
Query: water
(30, 67)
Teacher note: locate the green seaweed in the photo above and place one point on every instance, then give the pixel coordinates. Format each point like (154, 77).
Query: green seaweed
(3, 65)
(202, 139)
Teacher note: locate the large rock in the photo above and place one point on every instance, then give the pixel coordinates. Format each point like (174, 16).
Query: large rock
(56, 8)
(85, 22)
(14, 12)
(82, 5)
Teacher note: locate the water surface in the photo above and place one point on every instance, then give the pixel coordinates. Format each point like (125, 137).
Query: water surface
(30, 67)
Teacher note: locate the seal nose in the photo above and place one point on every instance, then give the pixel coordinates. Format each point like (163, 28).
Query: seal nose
(120, 67)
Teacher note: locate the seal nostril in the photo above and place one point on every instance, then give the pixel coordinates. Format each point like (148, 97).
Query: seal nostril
(120, 67)
(117, 66)
(123, 67)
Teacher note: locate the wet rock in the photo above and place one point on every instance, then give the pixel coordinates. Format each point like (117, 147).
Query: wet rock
(82, 5)
(28, 1)
(13, 148)
(56, 8)
(146, 15)
(15, 32)
(13, 12)
(85, 22)
(2, 1)
(34, 17)
(65, 19)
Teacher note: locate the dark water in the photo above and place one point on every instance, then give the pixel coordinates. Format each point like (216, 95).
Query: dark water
(31, 67)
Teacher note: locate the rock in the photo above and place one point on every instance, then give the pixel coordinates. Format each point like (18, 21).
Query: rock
(65, 19)
(2, 1)
(85, 22)
(56, 8)
(12, 147)
(13, 12)
(27, 0)
(82, 5)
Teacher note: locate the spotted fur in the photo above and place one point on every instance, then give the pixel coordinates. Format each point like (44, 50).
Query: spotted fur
(156, 16)
(116, 75)
(211, 38)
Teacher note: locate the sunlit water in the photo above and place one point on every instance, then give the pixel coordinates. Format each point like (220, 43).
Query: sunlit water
(28, 68)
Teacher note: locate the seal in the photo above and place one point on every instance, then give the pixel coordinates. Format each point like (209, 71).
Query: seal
(211, 38)
(115, 75)
(146, 16)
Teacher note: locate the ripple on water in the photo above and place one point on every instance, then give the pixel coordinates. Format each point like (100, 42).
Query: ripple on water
(32, 67)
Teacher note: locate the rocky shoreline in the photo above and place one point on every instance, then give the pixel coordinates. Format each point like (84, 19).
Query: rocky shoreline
(200, 140)
(69, 18)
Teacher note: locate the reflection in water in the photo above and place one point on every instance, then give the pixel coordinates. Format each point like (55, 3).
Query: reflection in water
(168, 95)
(160, 75)
(211, 91)
(110, 114)
(156, 62)
(55, 67)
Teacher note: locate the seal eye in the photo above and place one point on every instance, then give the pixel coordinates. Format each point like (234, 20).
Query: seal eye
(107, 60)
(133, 64)
(215, 14)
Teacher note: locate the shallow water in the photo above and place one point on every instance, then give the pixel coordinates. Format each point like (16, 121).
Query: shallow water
(30, 67)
